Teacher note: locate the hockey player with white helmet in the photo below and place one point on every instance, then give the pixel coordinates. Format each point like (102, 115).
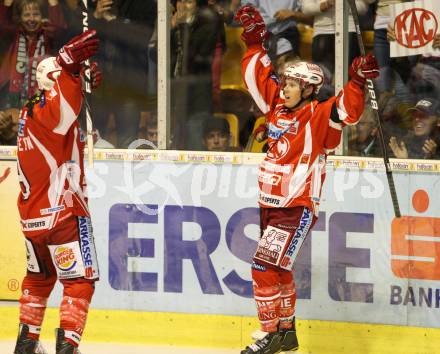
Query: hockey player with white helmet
(52, 202)
(301, 132)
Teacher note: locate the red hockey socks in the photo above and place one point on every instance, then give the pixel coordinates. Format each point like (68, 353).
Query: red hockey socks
(73, 316)
(267, 297)
(288, 300)
(32, 310)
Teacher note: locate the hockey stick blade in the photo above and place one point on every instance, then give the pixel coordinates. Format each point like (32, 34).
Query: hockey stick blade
(374, 105)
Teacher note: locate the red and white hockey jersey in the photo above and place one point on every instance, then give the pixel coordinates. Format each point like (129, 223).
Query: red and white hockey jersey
(50, 153)
(299, 140)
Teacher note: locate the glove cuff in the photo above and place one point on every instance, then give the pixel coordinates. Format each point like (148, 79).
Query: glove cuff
(73, 68)
(359, 81)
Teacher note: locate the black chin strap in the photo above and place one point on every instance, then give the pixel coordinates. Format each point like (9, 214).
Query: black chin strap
(301, 100)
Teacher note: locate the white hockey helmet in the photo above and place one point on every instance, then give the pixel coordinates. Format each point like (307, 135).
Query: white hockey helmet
(306, 73)
(48, 71)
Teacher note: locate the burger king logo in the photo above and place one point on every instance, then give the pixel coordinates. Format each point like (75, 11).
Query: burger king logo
(64, 258)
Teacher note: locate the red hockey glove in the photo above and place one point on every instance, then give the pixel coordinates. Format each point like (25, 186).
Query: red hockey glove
(77, 50)
(95, 75)
(254, 28)
(363, 68)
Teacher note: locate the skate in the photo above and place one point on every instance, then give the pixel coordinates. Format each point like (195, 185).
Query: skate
(63, 346)
(27, 345)
(270, 343)
(289, 341)
(24, 344)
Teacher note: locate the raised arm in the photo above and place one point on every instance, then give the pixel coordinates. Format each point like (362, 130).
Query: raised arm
(57, 23)
(63, 90)
(6, 23)
(347, 107)
(257, 70)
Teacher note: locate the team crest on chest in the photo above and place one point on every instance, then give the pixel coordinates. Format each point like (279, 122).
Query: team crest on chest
(279, 148)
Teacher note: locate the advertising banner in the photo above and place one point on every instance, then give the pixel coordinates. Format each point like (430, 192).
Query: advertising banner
(12, 252)
(415, 25)
(179, 237)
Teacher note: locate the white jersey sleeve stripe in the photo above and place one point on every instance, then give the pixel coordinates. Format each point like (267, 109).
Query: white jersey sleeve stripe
(251, 84)
(67, 116)
(335, 125)
(342, 111)
(79, 193)
(51, 162)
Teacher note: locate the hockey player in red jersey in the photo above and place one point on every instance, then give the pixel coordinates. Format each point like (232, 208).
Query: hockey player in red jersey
(52, 203)
(301, 132)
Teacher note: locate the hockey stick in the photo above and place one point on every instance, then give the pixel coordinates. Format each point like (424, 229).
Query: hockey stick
(88, 89)
(374, 106)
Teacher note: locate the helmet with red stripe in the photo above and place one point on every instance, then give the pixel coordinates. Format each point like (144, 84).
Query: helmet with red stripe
(48, 71)
(306, 74)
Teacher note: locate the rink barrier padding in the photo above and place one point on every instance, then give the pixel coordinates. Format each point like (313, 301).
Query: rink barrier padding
(240, 158)
(208, 330)
(193, 330)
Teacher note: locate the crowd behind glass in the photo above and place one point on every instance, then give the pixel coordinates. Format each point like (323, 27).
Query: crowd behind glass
(205, 48)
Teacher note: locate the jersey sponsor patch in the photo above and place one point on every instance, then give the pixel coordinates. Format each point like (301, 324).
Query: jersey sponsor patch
(52, 210)
(35, 224)
(269, 178)
(304, 159)
(268, 166)
(88, 251)
(67, 260)
(293, 129)
(284, 123)
(258, 267)
(270, 199)
(271, 245)
(265, 60)
(274, 132)
(32, 261)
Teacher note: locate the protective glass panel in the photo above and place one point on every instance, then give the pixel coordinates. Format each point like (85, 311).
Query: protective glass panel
(123, 106)
(211, 106)
(407, 90)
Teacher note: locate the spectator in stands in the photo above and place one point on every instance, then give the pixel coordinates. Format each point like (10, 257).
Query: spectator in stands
(8, 126)
(323, 44)
(195, 31)
(216, 134)
(365, 141)
(152, 132)
(422, 142)
(226, 8)
(124, 29)
(148, 130)
(29, 37)
(281, 18)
